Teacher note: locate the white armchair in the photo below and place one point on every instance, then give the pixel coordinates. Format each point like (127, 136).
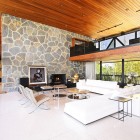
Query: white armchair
(37, 100)
(24, 93)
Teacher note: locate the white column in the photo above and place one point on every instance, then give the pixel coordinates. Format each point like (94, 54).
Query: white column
(90, 72)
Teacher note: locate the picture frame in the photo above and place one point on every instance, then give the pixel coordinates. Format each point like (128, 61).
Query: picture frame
(37, 75)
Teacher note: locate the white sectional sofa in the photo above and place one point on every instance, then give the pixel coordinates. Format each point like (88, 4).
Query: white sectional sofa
(92, 109)
(98, 86)
(95, 108)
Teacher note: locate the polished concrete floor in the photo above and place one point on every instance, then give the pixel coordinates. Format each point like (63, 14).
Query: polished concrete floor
(53, 124)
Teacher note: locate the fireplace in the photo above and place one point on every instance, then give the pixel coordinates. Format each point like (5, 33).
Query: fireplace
(58, 79)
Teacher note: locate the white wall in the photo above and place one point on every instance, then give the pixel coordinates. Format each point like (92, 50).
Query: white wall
(90, 71)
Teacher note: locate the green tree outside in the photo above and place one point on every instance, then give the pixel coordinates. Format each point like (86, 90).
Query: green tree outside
(131, 68)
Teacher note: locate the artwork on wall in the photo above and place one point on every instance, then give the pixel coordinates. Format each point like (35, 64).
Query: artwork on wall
(37, 75)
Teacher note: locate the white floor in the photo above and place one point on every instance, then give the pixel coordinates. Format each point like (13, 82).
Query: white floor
(53, 124)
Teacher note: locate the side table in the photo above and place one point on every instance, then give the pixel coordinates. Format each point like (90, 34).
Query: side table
(122, 111)
(58, 87)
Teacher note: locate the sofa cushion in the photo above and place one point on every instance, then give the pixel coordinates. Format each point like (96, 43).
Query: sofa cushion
(82, 81)
(98, 86)
(82, 87)
(136, 89)
(130, 90)
(103, 84)
(92, 82)
(92, 109)
(109, 84)
(100, 90)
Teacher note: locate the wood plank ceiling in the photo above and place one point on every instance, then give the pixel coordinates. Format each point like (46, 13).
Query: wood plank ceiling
(94, 18)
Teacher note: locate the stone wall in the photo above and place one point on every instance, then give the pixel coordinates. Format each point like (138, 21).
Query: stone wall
(27, 43)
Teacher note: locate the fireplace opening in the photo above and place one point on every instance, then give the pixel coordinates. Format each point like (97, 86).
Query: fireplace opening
(58, 79)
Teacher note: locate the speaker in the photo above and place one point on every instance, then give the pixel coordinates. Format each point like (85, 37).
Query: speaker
(134, 41)
(24, 81)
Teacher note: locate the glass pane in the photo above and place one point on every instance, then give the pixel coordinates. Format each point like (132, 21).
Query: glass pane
(110, 71)
(138, 34)
(125, 38)
(97, 68)
(111, 45)
(118, 44)
(104, 44)
(128, 37)
(132, 72)
(122, 39)
(113, 71)
(132, 67)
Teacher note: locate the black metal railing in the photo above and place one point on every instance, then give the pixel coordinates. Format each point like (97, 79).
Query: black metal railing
(118, 78)
(84, 48)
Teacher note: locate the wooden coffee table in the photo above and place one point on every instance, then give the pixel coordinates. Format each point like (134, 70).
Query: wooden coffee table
(78, 94)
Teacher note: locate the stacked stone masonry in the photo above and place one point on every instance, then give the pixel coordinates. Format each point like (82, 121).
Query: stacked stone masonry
(27, 43)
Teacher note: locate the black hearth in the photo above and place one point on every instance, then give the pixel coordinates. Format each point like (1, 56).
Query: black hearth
(58, 79)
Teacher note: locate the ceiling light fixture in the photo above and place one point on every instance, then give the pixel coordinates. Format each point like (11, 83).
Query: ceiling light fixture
(110, 28)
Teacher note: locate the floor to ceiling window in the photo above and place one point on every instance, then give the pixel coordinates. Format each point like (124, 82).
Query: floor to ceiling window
(111, 71)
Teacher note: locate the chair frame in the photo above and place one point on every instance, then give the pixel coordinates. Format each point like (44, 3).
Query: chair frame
(35, 102)
(24, 93)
